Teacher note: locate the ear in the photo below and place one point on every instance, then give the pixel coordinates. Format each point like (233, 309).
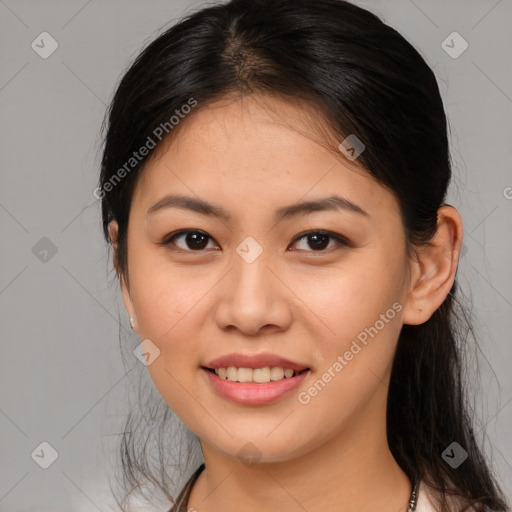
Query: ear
(434, 268)
(113, 229)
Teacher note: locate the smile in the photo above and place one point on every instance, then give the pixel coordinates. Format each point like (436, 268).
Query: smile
(254, 386)
(259, 375)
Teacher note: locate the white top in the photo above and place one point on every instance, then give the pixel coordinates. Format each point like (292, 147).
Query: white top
(428, 503)
(425, 502)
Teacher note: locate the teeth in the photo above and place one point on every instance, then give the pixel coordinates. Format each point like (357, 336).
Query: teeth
(259, 375)
(276, 373)
(231, 373)
(245, 374)
(288, 372)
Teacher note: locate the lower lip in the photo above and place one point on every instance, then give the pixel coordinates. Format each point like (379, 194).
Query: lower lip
(251, 393)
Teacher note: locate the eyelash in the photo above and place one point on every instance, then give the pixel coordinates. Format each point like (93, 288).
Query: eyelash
(343, 242)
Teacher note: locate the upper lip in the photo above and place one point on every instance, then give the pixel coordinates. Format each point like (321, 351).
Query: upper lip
(254, 361)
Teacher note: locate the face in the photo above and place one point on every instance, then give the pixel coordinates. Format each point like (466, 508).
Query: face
(321, 287)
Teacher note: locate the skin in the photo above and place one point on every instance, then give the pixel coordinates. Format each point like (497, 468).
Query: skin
(253, 156)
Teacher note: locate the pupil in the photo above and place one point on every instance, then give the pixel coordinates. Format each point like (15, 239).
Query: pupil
(194, 237)
(320, 245)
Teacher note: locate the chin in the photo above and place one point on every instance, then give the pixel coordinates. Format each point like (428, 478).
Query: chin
(259, 449)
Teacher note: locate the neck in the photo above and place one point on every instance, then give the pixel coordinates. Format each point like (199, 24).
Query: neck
(353, 471)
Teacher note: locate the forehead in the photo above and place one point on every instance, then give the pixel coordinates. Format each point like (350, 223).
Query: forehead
(257, 149)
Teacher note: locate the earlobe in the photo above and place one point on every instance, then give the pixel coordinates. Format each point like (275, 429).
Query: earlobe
(128, 304)
(113, 228)
(435, 268)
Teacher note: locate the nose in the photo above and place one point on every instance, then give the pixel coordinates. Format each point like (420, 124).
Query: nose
(253, 299)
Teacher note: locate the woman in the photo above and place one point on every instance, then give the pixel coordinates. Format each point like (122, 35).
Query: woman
(273, 185)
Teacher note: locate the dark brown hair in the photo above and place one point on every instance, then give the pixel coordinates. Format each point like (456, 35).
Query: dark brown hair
(365, 79)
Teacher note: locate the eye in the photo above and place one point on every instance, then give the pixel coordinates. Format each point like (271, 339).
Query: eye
(319, 240)
(194, 240)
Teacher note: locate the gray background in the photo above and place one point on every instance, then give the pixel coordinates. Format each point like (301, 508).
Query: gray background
(62, 379)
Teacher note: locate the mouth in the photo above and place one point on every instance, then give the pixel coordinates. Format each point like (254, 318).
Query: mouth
(254, 386)
(254, 379)
(262, 375)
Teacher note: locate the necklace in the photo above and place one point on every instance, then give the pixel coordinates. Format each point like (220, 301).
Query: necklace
(413, 501)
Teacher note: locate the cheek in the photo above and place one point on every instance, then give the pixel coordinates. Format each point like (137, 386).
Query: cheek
(359, 307)
(164, 294)
(167, 305)
(360, 314)
(352, 297)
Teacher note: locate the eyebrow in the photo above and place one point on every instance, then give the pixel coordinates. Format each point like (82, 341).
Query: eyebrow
(331, 203)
